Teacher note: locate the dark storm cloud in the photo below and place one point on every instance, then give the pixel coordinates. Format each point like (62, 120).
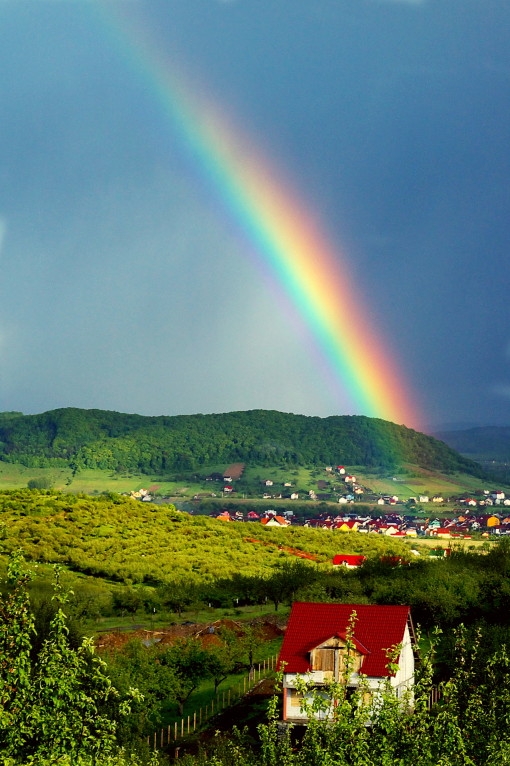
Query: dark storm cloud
(124, 284)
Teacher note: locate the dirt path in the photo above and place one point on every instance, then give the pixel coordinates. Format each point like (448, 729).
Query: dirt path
(247, 714)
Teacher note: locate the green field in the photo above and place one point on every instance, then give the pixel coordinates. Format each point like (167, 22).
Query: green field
(416, 481)
(412, 482)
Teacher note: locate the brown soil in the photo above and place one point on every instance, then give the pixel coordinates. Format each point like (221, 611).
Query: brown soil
(235, 470)
(118, 638)
(292, 551)
(205, 633)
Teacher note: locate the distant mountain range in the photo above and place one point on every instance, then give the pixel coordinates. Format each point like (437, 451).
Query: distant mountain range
(156, 445)
(485, 443)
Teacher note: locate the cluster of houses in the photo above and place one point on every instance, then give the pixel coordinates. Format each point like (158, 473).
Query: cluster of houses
(269, 518)
(343, 487)
(141, 494)
(395, 525)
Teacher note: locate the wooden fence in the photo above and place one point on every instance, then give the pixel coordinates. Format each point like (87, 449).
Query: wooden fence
(434, 696)
(223, 699)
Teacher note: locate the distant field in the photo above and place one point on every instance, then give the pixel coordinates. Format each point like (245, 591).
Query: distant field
(412, 482)
(14, 476)
(458, 544)
(422, 482)
(89, 481)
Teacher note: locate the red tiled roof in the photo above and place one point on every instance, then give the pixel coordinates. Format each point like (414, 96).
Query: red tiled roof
(377, 628)
(350, 559)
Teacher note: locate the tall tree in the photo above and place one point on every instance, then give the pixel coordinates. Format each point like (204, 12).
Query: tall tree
(51, 704)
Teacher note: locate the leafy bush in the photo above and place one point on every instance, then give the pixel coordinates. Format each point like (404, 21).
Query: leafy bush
(52, 705)
(42, 482)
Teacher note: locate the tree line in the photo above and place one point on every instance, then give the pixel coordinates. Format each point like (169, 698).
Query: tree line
(80, 439)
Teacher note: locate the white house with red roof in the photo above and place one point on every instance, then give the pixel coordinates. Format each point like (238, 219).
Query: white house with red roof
(319, 637)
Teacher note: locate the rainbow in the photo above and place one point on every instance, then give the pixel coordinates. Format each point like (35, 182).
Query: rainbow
(309, 270)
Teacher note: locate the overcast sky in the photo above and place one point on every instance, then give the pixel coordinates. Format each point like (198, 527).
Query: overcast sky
(124, 284)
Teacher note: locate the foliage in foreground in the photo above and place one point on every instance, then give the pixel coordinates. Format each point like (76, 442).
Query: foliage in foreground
(53, 706)
(467, 727)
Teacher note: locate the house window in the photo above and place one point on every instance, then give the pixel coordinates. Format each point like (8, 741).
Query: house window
(295, 697)
(333, 660)
(324, 659)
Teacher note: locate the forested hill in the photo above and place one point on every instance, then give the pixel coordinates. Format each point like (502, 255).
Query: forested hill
(111, 440)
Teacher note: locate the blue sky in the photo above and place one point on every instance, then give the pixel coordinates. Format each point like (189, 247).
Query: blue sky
(125, 286)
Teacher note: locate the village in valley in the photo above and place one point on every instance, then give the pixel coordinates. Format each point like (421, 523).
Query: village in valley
(361, 509)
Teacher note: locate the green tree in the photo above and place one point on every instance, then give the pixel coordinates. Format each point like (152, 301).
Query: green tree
(224, 657)
(51, 705)
(287, 579)
(191, 664)
(138, 666)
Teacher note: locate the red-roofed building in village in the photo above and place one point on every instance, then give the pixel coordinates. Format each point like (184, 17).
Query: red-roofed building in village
(316, 642)
(274, 521)
(349, 560)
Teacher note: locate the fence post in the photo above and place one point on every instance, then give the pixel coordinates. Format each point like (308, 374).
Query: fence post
(266, 665)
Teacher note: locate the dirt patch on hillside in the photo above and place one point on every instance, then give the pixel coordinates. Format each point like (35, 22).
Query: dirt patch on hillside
(270, 629)
(234, 470)
(285, 548)
(206, 633)
(116, 639)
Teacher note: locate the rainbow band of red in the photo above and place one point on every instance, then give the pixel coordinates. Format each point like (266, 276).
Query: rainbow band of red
(309, 270)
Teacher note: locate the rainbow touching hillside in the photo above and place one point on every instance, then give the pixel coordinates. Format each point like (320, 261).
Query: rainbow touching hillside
(280, 229)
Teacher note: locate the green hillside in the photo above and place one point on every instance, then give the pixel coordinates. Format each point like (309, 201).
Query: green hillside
(97, 439)
(131, 542)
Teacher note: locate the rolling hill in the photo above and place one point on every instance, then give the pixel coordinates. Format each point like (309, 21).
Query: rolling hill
(79, 439)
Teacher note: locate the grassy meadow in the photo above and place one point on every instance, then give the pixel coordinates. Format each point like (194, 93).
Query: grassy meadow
(412, 481)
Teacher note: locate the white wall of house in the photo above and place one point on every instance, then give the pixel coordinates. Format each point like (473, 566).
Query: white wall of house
(402, 680)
